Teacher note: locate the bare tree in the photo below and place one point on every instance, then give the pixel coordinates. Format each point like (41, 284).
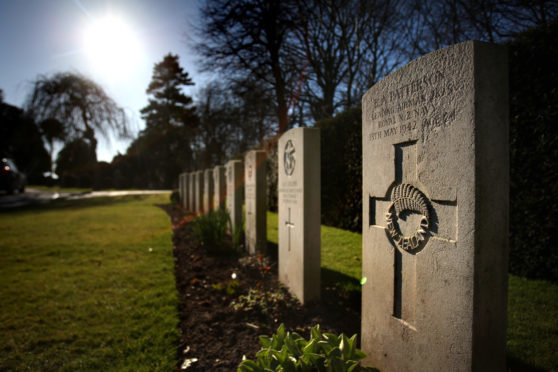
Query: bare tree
(252, 38)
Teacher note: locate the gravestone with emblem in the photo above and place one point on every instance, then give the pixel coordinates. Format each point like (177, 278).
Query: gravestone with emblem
(220, 188)
(191, 179)
(208, 190)
(235, 191)
(198, 193)
(435, 221)
(299, 212)
(256, 202)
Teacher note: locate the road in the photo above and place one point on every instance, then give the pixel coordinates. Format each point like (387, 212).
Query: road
(35, 196)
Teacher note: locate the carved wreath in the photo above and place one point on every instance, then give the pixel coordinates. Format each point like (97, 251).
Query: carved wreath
(405, 197)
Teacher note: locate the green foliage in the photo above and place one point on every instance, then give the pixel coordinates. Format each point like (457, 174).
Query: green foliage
(230, 287)
(286, 351)
(211, 230)
(261, 301)
(341, 164)
(533, 155)
(175, 197)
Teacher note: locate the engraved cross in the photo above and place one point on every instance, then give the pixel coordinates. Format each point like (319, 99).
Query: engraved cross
(290, 225)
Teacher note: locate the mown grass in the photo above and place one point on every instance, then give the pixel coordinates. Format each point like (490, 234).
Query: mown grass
(88, 285)
(532, 304)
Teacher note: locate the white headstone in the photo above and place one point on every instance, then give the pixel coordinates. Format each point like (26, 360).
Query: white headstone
(220, 188)
(180, 187)
(185, 189)
(235, 191)
(198, 194)
(256, 202)
(191, 179)
(299, 212)
(435, 216)
(208, 191)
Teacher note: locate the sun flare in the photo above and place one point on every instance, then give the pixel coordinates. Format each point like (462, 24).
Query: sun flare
(111, 46)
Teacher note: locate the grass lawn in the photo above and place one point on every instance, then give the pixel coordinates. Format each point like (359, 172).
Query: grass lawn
(532, 306)
(88, 285)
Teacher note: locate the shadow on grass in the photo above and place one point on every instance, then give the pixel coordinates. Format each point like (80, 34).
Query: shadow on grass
(62, 204)
(516, 365)
(335, 285)
(344, 287)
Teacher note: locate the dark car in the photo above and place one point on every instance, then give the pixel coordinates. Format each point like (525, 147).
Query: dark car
(10, 178)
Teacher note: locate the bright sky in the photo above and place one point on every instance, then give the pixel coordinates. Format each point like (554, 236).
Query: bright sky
(115, 43)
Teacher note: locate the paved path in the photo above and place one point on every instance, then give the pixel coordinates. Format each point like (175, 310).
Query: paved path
(35, 196)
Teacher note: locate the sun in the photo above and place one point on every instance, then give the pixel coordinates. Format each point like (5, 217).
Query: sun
(111, 46)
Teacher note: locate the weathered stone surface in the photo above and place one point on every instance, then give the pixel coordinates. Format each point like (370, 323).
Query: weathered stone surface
(256, 202)
(185, 190)
(191, 191)
(235, 191)
(180, 187)
(299, 193)
(435, 218)
(198, 193)
(208, 191)
(220, 188)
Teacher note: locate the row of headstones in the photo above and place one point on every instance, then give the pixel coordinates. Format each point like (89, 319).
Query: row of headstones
(435, 212)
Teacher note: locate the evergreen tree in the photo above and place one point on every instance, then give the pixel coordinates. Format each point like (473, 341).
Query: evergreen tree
(170, 121)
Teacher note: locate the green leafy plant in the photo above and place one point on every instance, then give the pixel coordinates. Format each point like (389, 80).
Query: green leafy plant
(211, 230)
(230, 287)
(262, 301)
(286, 351)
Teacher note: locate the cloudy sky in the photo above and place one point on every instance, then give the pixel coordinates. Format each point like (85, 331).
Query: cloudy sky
(115, 43)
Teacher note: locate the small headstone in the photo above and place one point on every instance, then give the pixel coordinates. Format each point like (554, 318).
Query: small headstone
(198, 194)
(235, 191)
(208, 191)
(191, 192)
(256, 202)
(299, 212)
(220, 188)
(180, 187)
(435, 220)
(185, 190)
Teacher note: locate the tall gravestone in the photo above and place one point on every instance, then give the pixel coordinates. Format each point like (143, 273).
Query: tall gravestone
(220, 188)
(208, 190)
(435, 216)
(191, 192)
(256, 203)
(198, 193)
(185, 189)
(299, 212)
(235, 191)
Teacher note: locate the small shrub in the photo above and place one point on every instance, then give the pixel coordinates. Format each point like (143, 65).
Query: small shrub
(175, 197)
(286, 351)
(261, 301)
(211, 230)
(230, 287)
